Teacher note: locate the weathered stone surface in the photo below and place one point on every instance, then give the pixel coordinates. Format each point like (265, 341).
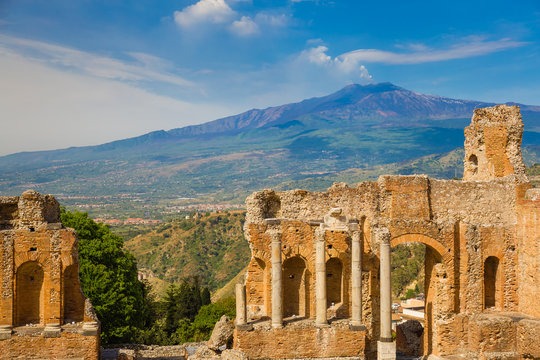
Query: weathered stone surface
(482, 252)
(204, 352)
(493, 143)
(222, 334)
(409, 337)
(231, 354)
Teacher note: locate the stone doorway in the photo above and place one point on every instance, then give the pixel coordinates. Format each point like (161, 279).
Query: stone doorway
(29, 294)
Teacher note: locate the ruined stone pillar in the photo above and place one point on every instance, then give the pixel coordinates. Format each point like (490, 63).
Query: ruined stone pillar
(320, 276)
(356, 279)
(386, 348)
(241, 313)
(277, 287)
(241, 310)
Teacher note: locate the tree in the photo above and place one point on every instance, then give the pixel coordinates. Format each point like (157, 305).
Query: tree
(205, 296)
(108, 275)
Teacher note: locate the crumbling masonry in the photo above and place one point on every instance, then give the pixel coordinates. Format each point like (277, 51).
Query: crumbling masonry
(43, 312)
(318, 284)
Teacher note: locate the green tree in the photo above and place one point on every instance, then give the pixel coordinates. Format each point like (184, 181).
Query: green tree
(108, 276)
(205, 296)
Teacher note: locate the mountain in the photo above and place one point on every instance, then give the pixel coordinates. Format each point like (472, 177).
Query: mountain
(357, 127)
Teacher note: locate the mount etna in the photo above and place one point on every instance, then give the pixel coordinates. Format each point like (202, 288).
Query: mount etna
(354, 134)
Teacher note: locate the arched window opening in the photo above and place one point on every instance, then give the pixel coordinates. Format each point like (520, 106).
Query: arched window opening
(491, 282)
(473, 163)
(73, 297)
(334, 275)
(29, 294)
(294, 287)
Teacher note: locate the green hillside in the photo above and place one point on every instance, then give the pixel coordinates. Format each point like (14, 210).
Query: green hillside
(211, 247)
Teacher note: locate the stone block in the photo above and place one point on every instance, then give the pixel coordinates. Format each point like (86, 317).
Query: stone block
(386, 350)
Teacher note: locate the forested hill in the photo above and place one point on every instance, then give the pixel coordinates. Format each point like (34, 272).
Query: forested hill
(358, 127)
(210, 246)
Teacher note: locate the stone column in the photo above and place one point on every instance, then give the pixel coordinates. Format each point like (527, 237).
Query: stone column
(241, 313)
(356, 280)
(277, 287)
(320, 276)
(386, 347)
(241, 310)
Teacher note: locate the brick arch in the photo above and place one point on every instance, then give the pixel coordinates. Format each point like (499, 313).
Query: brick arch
(302, 252)
(261, 254)
(442, 251)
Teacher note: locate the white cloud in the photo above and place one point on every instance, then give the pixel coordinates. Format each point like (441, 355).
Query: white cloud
(421, 54)
(148, 67)
(204, 11)
(318, 56)
(244, 27)
(353, 62)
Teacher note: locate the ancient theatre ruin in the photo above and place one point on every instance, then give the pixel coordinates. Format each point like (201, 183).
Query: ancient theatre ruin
(318, 284)
(43, 312)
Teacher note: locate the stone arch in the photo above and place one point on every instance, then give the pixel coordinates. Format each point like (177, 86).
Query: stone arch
(29, 303)
(296, 287)
(492, 283)
(334, 281)
(73, 299)
(432, 243)
(437, 260)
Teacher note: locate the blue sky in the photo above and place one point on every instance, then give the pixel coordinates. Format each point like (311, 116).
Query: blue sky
(86, 72)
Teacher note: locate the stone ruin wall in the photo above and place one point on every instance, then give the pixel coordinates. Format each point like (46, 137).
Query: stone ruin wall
(529, 253)
(43, 312)
(488, 221)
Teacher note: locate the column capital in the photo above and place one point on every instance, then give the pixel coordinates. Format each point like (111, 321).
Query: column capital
(356, 234)
(320, 233)
(382, 235)
(275, 235)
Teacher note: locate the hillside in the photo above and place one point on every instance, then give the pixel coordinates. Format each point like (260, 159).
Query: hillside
(211, 247)
(359, 128)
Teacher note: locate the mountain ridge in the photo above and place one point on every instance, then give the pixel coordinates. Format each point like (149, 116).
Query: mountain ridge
(359, 126)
